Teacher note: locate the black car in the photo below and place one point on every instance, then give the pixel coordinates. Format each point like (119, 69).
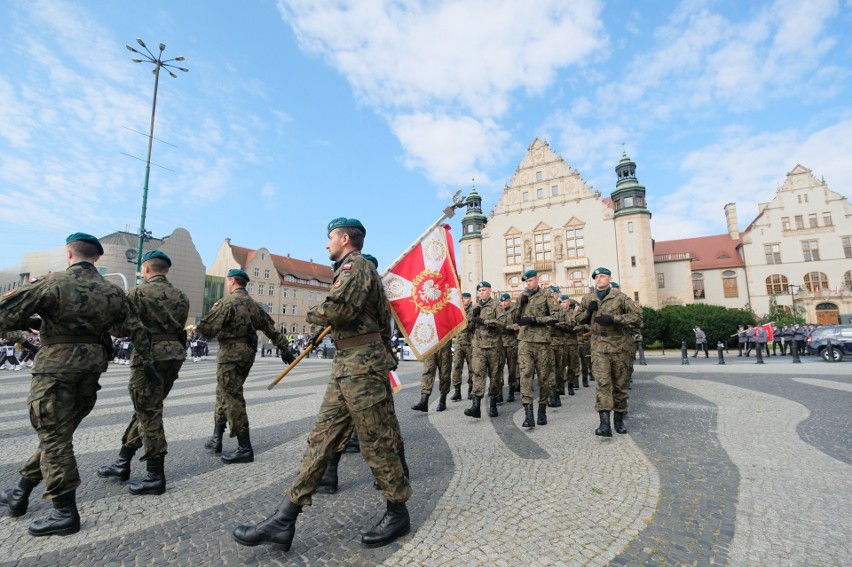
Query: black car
(831, 341)
(326, 349)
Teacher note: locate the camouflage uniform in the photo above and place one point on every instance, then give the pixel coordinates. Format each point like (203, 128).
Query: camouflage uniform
(463, 352)
(236, 319)
(441, 362)
(163, 310)
(359, 390)
(584, 347)
(572, 349)
(510, 342)
(487, 347)
(77, 308)
(535, 355)
(609, 347)
(559, 343)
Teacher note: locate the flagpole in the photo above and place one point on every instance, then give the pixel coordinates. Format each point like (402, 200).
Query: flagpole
(449, 213)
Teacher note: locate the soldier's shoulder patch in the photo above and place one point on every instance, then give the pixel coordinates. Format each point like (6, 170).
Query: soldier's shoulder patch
(346, 267)
(34, 280)
(337, 283)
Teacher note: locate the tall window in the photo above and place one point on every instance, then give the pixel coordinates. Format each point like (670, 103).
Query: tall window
(785, 223)
(816, 281)
(257, 272)
(526, 196)
(513, 250)
(847, 246)
(698, 285)
(575, 244)
(539, 193)
(633, 261)
(810, 250)
(283, 292)
(729, 283)
(773, 253)
(542, 246)
(661, 280)
(812, 220)
(294, 311)
(250, 287)
(266, 274)
(800, 222)
(826, 218)
(294, 294)
(577, 279)
(554, 191)
(538, 176)
(271, 290)
(776, 284)
(283, 309)
(260, 289)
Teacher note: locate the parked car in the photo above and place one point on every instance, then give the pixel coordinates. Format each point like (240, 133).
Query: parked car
(831, 341)
(403, 351)
(326, 349)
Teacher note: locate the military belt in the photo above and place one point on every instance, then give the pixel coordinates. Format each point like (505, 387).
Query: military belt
(233, 341)
(358, 340)
(70, 339)
(164, 338)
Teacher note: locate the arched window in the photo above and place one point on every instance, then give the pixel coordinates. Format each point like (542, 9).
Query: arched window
(816, 281)
(697, 285)
(776, 284)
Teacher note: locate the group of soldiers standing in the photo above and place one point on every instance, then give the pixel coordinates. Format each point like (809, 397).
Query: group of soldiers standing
(541, 335)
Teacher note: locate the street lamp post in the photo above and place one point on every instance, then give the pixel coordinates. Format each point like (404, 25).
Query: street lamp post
(158, 63)
(793, 297)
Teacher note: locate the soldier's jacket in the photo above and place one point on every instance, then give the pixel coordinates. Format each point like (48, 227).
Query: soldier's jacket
(487, 335)
(78, 302)
(357, 306)
(507, 324)
(625, 313)
(541, 307)
(163, 309)
(465, 337)
(238, 317)
(567, 324)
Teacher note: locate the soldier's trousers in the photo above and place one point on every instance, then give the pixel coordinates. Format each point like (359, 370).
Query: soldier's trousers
(146, 425)
(572, 363)
(612, 374)
(535, 359)
(462, 355)
(57, 404)
(230, 403)
(510, 354)
(442, 363)
(366, 401)
(559, 355)
(585, 353)
(487, 363)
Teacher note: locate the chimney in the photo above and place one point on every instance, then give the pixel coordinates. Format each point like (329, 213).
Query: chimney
(731, 220)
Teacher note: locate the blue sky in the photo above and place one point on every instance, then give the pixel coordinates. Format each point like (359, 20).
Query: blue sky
(298, 111)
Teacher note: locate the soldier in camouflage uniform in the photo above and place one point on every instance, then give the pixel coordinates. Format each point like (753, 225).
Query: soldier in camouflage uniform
(610, 314)
(163, 309)
(535, 314)
(559, 343)
(236, 319)
(487, 355)
(509, 339)
(463, 354)
(359, 391)
(572, 353)
(442, 363)
(77, 310)
(584, 347)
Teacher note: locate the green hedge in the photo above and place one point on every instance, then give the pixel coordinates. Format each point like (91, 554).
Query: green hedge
(673, 324)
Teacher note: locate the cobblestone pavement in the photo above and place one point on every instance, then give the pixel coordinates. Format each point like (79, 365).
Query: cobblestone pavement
(741, 464)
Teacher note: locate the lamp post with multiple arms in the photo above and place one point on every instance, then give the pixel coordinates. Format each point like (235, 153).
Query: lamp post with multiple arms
(159, 63)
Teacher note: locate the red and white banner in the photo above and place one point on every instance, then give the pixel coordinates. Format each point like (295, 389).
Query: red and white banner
(770, 334)
(424, 293)
(395, 382)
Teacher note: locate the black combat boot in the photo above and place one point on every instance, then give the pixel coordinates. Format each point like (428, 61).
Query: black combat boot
(394, 524)
(575, 384)
(18, 498)
(473, 410)
(492, 407)
(243, 453)
(619, 422)
(604, 429)
(591, 376)
(154, 482)
(511, 396)
(529, 418)
(500, 396)
(442, 403)
(353, 445)
(456, 393)
(423, 404)
(63, 519)
(553, 399)
(470, 391)
(542, 414)
(585, 380)
(328, 482)
(518, 386)
(215, 443)
(570, 388)
(279, 528)
(120, 469)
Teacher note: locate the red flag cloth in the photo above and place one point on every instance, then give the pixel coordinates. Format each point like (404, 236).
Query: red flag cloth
(396, 384)
(424, 293)
(769, 333)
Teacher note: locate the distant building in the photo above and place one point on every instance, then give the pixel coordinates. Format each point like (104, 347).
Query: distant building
(285, 287)
(186, 273)
(797, 249)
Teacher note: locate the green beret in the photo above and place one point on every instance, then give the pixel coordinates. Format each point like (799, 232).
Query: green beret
(154, 254)
(466, 294)
(599, 271)
(236, 273)
(614, 284)
(564, 298)
(505, 296)
(343, 221)
(372, 259)
(483, 284)
(83, 237)
(554, 289)
(528, 274)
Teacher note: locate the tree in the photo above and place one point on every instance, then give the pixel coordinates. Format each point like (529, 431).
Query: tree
(675, 323)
